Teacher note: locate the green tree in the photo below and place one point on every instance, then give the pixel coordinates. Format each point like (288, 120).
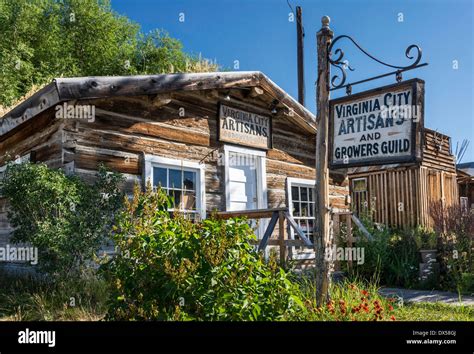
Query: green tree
(43, 39)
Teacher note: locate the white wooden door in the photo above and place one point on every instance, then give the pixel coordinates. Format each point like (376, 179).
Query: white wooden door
(242, 181)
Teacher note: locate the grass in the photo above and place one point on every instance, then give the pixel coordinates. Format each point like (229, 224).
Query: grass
(435, 312)
(30, 299)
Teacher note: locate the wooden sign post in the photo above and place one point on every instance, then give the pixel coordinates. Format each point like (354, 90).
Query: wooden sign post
(322, 240)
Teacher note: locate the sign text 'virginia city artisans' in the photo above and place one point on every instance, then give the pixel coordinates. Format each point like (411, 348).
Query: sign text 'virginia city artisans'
(244, 128)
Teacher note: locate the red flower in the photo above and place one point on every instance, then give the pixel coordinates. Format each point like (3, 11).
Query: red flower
(364, 292)
(390, 307)
(392, 318)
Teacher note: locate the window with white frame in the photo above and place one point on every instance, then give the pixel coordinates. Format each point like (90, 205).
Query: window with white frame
(302, 204)
(182, 180)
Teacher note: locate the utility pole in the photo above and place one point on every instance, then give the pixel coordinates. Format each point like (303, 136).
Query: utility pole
(300, 46)
(322, 239)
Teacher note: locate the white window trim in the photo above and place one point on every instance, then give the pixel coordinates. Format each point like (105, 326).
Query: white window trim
(153, 160)
(290, 182)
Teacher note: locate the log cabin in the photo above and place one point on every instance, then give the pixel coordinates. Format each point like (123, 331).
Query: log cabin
(223, 141)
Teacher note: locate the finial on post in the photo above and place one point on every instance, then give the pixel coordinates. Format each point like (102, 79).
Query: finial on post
(325, 21)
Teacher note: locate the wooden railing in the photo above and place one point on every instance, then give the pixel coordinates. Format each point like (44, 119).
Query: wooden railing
(275, 215)
(280, 215)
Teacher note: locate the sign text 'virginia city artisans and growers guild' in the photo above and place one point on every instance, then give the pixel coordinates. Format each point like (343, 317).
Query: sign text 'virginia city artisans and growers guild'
(374, 128)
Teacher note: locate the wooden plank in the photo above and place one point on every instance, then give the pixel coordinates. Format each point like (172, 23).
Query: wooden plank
(268, 231)
(361, 227)
(297, 229)
(28, 109)
(250, 214)
(288, 243)
(349, 237)
(281, 236)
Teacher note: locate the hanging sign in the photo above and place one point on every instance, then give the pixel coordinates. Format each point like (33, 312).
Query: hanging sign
(244, 128)
(379, 126)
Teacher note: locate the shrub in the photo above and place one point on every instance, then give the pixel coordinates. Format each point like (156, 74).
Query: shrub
(65, 218)
(391, 257)
(455, 229)
(170, 268)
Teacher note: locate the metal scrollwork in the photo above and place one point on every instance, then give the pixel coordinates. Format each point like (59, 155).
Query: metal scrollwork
(342, 65)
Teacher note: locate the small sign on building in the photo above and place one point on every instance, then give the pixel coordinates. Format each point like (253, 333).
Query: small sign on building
(244, 128)
(379, 126)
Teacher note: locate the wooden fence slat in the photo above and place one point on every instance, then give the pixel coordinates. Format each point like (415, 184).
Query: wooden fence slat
(297, 229)
(361, 227)
(268, 231)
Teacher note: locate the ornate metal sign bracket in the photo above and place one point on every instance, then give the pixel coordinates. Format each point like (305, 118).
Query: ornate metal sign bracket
(341, 64)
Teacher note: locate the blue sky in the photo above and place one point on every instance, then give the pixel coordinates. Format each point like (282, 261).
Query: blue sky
(260, 36)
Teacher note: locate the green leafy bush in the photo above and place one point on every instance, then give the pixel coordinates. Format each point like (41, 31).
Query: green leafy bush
(170, 268)
(391, 258)
(65, 218)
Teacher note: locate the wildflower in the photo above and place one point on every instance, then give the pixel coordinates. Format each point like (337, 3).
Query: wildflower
(390, 307)
(365, 293)
(392, 318)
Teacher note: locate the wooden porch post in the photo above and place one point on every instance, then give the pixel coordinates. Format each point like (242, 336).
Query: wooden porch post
(281, 236)
(322, 240)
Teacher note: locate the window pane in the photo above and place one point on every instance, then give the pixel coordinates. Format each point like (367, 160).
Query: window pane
(311, 209)
(159, 177)
(311, 194)
(294, 193)
(296, 209)
(189, 180)
(304, 209)
(175, 179)
(304, 193)
(189, 201)
(304, 226)
(176, 198)
(311, 230)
